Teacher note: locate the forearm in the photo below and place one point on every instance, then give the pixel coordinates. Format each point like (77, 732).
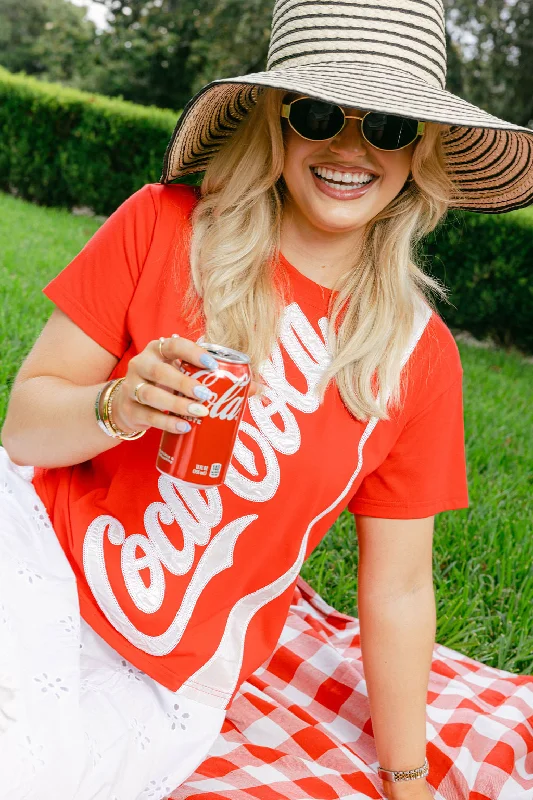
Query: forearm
(51, 423)
(397, 638)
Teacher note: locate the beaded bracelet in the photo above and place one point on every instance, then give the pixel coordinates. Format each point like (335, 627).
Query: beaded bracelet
(404, 775)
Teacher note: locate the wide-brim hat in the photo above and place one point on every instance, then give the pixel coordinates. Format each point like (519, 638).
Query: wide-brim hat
(372, 55)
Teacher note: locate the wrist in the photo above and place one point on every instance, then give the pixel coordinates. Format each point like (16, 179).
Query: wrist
(106, 413)
(408, 790)
(406, 784)
(99, 405)
(115, 411)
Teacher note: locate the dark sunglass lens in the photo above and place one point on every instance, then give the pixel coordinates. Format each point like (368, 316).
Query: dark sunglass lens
(315, 119)
(389, 132)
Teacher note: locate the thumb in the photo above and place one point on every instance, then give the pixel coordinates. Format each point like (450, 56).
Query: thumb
(256, 387)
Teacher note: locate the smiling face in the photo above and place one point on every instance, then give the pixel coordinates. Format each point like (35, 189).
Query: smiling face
(341, 184)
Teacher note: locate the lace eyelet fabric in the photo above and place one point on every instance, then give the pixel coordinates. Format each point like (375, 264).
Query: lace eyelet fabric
(77, 721)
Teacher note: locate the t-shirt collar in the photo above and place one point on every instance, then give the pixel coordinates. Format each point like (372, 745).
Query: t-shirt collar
(315, 294)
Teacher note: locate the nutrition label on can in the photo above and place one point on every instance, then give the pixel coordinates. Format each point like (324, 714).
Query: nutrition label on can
(200, 469)
(215, 470)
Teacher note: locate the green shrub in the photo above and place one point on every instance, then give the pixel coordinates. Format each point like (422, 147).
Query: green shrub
(63, 147)
(486, 261)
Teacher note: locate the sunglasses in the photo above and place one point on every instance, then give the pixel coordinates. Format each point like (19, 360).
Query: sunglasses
(318, 121)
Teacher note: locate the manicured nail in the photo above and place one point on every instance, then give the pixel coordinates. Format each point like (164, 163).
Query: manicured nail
(202, 392)
(196, 410)
(208, 361)
(183, 426)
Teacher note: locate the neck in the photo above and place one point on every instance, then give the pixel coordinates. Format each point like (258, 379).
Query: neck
(322, 256)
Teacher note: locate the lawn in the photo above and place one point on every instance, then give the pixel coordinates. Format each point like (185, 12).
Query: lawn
(483, 556)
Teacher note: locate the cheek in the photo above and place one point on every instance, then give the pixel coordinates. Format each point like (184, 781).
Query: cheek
(297, 152)
(396, 166)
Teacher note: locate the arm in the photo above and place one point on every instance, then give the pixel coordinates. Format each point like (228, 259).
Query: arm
(51, 421)
(398, 624)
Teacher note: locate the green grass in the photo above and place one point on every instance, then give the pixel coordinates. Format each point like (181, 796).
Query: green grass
(35, 244)
(483, 556)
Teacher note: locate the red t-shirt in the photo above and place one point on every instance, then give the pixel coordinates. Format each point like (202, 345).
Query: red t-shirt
(192, 586)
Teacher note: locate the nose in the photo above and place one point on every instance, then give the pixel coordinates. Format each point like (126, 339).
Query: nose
(350, 139)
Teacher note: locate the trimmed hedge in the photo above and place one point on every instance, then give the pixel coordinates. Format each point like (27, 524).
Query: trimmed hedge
(486, 261)
(63, 147)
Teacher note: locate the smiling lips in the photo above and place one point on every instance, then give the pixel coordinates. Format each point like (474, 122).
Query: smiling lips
(343, 181)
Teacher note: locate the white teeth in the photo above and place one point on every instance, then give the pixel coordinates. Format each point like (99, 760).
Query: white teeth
(343, 180)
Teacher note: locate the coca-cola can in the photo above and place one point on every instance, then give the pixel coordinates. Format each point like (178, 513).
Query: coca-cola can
(200, 458)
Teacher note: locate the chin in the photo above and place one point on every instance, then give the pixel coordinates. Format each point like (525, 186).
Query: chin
(337, 221)
(333, 226)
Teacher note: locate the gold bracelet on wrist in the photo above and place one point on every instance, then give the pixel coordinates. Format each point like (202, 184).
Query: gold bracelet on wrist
(97, 404)
(395, 776)
(107, 405)
(105, 424)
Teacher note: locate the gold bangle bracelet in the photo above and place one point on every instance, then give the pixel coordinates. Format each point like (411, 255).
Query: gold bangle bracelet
(97, 404)
(108, 419)
(105, 410)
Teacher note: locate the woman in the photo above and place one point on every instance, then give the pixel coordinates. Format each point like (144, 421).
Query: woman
(132, 608)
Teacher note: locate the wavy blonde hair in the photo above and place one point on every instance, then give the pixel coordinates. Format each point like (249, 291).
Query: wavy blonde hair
(235, 244)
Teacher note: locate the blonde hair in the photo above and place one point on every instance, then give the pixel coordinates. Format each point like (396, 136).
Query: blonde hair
(235, 246)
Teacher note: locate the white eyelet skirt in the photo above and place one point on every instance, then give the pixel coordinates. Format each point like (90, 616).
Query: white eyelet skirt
(77, 721)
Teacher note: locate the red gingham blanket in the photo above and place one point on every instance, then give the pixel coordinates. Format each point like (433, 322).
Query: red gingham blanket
(300, 727)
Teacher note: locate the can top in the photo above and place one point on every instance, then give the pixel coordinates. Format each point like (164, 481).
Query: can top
(222, 353)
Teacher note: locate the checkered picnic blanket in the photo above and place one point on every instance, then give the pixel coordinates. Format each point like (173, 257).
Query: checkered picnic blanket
(300, 727)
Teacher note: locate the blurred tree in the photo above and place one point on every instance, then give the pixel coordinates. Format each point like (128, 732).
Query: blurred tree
(144, 54)
(160, 51)
(495, 38)
(455, 78)
(233, 40)
(49, 39)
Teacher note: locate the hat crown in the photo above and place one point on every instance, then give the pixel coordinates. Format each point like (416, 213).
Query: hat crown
(410, 38)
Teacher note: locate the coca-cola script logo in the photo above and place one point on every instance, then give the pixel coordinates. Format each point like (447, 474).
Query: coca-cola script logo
(228, 405)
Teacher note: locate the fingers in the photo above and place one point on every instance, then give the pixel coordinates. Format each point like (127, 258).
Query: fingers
(175, 348)
(256, 387)
(168, 377)
(157, 394)
(155, 408)
(157, 398)
(149, 395)
(150, 418)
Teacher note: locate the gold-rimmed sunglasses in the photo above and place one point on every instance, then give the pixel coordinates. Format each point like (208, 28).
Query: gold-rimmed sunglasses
(317, 121)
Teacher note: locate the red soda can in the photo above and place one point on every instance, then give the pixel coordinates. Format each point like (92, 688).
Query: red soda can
(200, 458)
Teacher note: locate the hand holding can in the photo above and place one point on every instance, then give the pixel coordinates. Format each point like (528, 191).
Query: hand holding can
(201, 457)
(156, 394)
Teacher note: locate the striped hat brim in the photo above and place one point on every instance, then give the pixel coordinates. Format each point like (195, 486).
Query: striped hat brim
(490, 160)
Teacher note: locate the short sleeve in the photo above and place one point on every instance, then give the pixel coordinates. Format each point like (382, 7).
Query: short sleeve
(425, 472)
(96, 288)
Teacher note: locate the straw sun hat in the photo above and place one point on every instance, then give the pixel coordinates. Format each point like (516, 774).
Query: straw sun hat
(377, 55)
